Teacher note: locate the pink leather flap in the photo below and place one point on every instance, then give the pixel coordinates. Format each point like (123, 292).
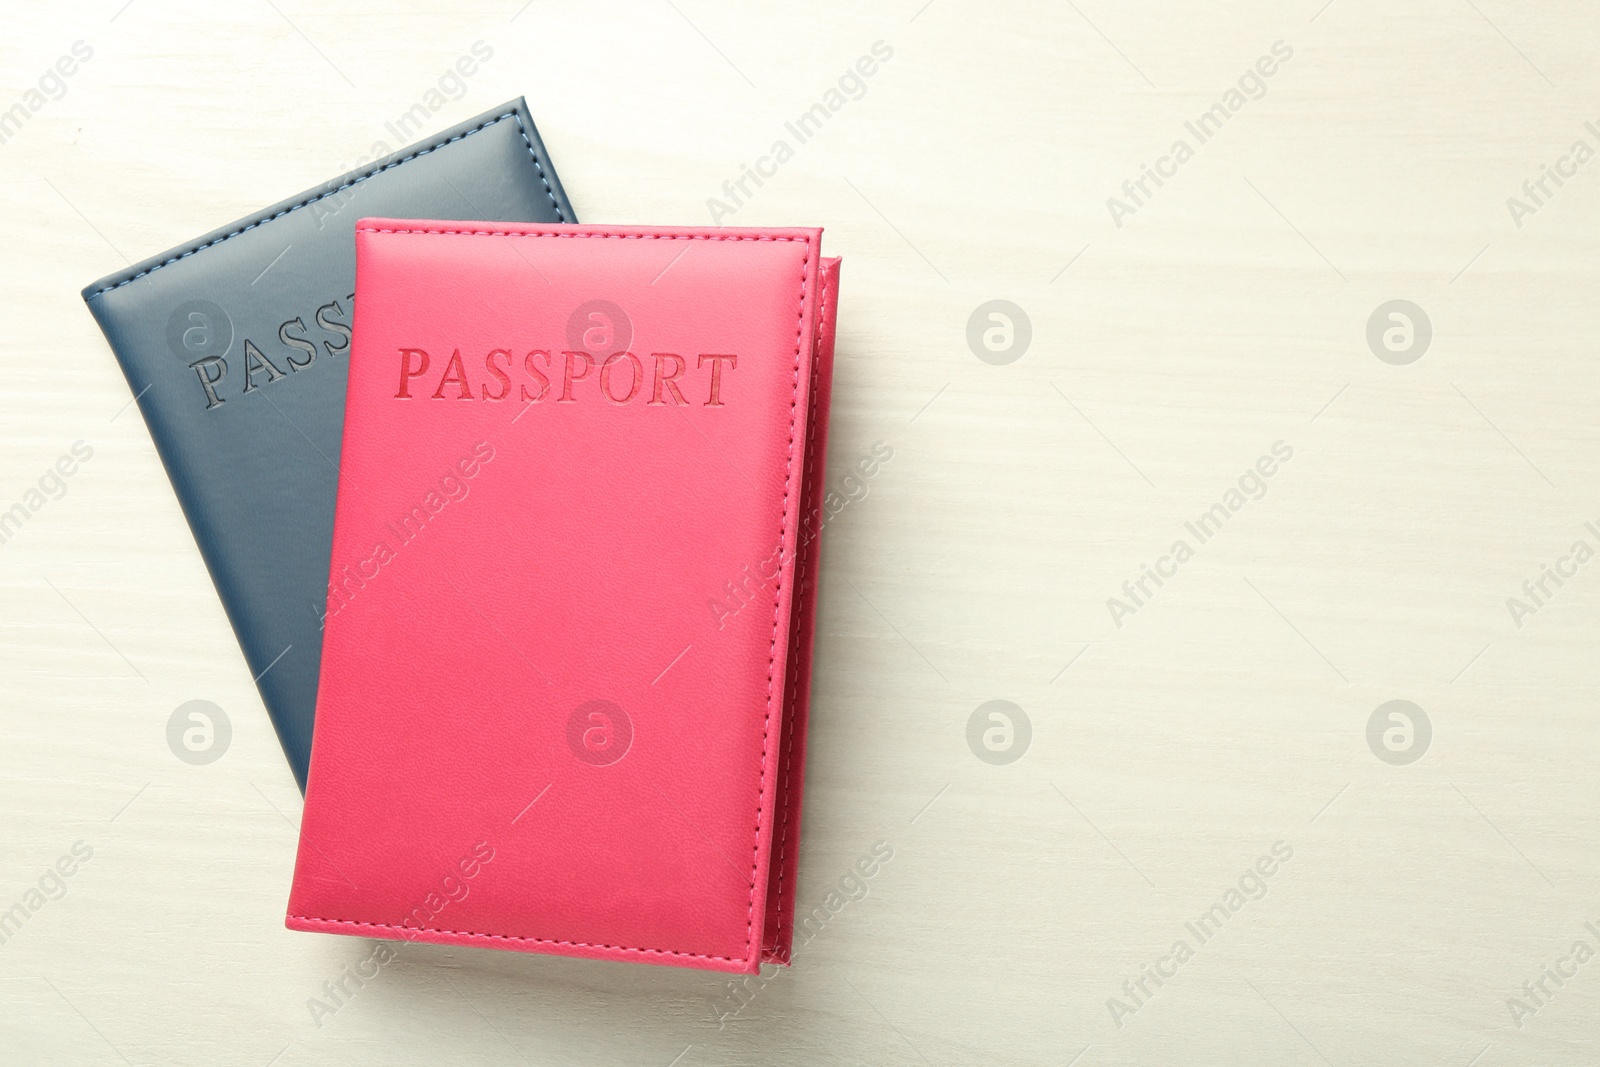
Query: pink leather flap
(565, 664)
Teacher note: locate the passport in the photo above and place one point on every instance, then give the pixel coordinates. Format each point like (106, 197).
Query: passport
(236, 345)
(572, 593)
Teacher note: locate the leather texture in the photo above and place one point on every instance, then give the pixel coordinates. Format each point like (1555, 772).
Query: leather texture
(568, 647)
(236, 346)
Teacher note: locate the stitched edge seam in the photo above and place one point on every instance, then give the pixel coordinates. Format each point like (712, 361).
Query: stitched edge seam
(783, 530)
(791, 711)
(783, 526)
(537, 166)
(592, 236)
(515, 937)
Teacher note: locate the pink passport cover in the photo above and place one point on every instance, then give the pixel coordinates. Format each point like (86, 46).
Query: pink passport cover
(567, 652)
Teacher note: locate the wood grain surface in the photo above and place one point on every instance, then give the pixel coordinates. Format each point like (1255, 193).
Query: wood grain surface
(1199, 765)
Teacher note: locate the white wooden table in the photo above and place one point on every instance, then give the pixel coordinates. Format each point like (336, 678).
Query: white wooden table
(1176, 338)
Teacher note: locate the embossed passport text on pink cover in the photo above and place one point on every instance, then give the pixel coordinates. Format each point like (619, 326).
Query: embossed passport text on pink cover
(570, 606)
